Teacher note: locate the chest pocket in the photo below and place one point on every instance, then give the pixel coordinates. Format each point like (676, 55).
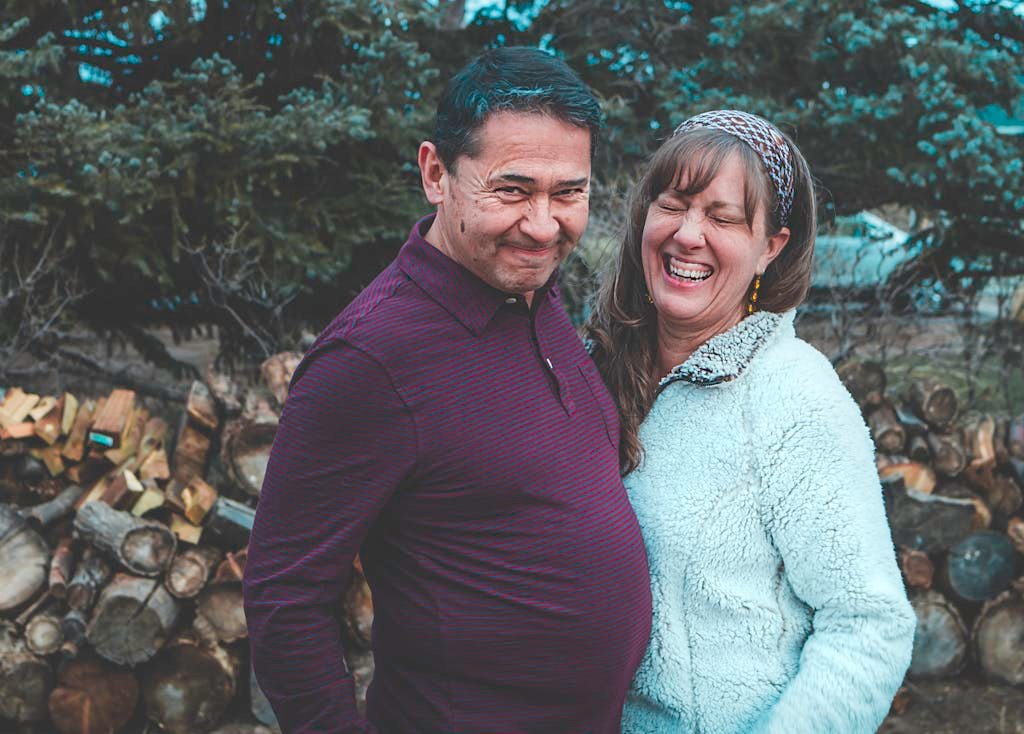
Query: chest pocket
(598, 393)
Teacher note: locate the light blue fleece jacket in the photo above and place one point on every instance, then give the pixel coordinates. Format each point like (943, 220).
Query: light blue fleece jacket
(778, 605)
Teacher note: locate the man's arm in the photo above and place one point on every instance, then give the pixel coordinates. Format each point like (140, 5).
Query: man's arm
(345, 442)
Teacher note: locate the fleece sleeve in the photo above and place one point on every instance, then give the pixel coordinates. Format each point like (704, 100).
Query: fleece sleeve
(825, 512)
(345, 443)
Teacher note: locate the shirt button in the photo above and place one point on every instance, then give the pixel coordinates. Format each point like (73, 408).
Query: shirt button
(511, 299)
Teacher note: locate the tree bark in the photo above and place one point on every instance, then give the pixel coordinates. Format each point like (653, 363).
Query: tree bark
(999, 638)
(979, 440)
(948, 455)
(959, 490)
(940, 641)
(246, 452)
(918, 569)
(144, 547)
(90, 577)
(1001, 492)
(44, 634)
(189, 685)
(61, 567)
(936, 404)
(190, 570)
(929, 523)
(132, 620)
(92, 697)
(916, 476)
(865, 381)
(25, 679)
(220, 611)
(49, 512)
(886, 429)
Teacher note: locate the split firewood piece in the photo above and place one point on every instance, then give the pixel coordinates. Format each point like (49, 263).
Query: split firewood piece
(1001, 492)
(191, 569)
(918, 450)
(940, 641)
(48, 426)
(202, 408)
(133, 618)
(191, 452)
(948, 456)
(153, 435)
(198, 497)
(980, 566)
(865, 381)
(74, 447)
(155, 466)
(246, 452)
(231, 522)
(44, 634)
(936, 404)
(929, 523)
(25, 679)
(886, 429)
(277, 373)
(90, 577)
(978, 432)
(221, 607)
(150, 498)
(184, 530)
(142, 546)
(51, 458)
(90, 470)
(25, 429)
(24, 560)
(16, 406)
(998, 637)
(46, 513)
(112, 420)
(115, 491)
(357, 614)
(68, 413)
(92, 697)
(225, 390)
(959, 490)
(232, 568)
(189, 685)
(918, 569)
(130, 439)
(42, 408)
(915, 475)
(61, 567)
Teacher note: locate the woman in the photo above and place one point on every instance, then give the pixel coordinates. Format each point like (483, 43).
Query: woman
(778, 606)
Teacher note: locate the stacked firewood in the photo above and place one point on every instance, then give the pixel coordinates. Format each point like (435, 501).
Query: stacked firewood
(952, 480)
(122, 548)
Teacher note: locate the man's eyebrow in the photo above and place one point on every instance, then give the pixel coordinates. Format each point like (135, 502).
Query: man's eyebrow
(520, 179)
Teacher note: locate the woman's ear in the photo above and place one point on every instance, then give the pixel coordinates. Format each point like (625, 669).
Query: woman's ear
(775, 244)
(433, 174)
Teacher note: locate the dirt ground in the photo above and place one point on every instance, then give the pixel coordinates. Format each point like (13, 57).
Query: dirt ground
(964, 705)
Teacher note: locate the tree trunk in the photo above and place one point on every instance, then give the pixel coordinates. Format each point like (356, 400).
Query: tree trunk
(232, 568)
(201, 407)
(918, 569)
(90, 577)
(979, 440)
(886, 429)
(940, 641)
(133, 618)
(918, 450)
(73, 627)
(916, 476)
(936, 404)
(61, 567)
(980, 566)
(1015, 532)
(246, 452)
(24, 560)
(92, 697)
(948, 455)
(190, 570)
(999, 638)
(1001, 492)
(929, 523)
(44, 634)
(191, 452)
(60, 506)
(959, 490)
(220, 612)
(25, 680)
(189, 685)
(143, 547)
(864, 380)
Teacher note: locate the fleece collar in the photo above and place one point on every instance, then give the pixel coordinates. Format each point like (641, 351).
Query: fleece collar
(724, 357)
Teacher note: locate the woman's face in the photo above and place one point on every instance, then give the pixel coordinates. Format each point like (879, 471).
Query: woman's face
(700, 255)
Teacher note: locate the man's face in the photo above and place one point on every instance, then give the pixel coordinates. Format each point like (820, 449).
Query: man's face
(514, 211)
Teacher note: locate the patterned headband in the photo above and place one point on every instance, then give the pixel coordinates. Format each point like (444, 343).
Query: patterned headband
(764, 139)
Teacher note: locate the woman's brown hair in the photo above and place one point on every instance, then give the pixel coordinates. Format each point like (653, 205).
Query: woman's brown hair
(623, 325)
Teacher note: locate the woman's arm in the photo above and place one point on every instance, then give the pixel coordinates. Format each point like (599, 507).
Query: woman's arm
(824, 509)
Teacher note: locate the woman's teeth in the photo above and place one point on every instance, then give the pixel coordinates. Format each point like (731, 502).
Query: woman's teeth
(687, 272)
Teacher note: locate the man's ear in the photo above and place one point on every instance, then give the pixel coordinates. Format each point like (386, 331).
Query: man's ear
(433, 174)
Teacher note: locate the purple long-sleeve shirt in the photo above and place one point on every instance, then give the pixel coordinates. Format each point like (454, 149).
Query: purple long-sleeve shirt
(468, 449)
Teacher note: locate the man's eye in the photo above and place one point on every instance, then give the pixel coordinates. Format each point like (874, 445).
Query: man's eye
(514, 190)
(570, 192)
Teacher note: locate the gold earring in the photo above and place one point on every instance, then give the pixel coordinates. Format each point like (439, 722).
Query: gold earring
(752, 306)
(649, 299)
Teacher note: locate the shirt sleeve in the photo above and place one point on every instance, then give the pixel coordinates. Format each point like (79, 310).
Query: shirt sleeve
(344, 444)
(826, 516)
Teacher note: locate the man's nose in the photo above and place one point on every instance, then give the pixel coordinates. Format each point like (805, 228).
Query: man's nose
(538, 223)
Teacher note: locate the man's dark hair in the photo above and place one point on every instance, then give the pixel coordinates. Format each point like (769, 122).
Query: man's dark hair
(512, 79)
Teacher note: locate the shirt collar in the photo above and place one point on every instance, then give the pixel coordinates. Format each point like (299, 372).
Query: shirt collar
(468, 299)
(724, 357)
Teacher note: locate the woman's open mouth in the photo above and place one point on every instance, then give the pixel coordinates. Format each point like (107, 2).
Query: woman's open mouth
(686, 272)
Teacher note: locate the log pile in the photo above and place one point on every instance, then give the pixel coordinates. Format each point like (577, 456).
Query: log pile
(952, 482)
(122, 549)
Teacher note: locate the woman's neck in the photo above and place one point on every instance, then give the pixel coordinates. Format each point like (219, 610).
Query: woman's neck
(677, 342)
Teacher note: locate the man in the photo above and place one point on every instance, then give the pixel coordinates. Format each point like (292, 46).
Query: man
(449, 426)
